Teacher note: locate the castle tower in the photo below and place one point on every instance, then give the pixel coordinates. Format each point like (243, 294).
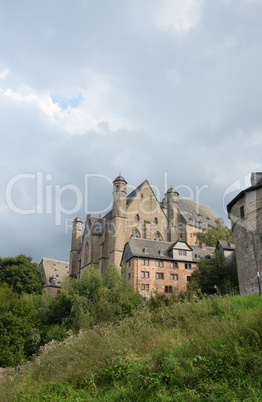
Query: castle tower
(77, 227)
(172, 202)
(119, 220)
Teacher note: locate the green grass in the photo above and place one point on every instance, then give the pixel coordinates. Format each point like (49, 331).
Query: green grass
(203, 350)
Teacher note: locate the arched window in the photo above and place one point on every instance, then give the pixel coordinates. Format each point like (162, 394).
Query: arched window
(135, 233)
(86, 251)
(137, 218)
(155, 221)
(158, 236)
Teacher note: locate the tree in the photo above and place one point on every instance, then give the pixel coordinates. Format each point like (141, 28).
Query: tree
(21, 274)
(211, 236)
(216, 275)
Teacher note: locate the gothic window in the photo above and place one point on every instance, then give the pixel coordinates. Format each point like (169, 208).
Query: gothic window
(135, 233)
(86, 250)
(158, 236)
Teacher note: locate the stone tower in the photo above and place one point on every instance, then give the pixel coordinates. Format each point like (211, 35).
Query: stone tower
(119, 219)
(77, 227)
(172, 202)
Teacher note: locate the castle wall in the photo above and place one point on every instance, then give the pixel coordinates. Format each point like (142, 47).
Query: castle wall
(247, 233)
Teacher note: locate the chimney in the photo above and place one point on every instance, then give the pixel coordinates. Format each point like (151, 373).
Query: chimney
(256, 178)
(203, 245)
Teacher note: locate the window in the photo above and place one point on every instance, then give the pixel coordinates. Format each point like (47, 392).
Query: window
(147, 262)
(129, 263)
(172, 276)
(188, 278)
(181, 235)
(189, 266)
(157, 236)
(143, 262)
(190, 235)
(157, 263)
(161, 252)
(184, 252)
(145, 250)
(142, 274)
(176, 265)
(54, 265)
(137, 218)
(135, 233)
(144, 287)
(172, 265)
(176, 277)
(180, 252)
(159, 275)
(242, 212)
(147, 287)
(147, 274)
(168, 289)
(161, 264)
(129, 276)
(155, 221)
(185, 266)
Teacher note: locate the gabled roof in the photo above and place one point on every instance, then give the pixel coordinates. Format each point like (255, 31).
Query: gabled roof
(53, 271)
(241, 195)
(226, 245)
(137, 247)
(174, 245)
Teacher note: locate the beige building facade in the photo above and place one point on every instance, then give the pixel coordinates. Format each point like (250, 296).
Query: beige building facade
(140, 215)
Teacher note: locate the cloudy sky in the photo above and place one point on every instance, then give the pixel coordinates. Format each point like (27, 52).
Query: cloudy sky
(168, 90)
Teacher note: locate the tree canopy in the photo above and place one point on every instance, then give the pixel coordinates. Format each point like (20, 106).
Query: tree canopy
(21, 274)
(211, 236)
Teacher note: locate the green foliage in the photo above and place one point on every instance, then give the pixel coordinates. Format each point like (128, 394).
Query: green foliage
(207, 349)
(211, 236)
(213, 276)
(19, 334)
(20, 274)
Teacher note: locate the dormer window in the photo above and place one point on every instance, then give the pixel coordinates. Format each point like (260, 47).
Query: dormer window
(200, 216)
(145, 250)
(161, 252)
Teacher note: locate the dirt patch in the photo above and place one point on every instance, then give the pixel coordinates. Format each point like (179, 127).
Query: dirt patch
(6, 373)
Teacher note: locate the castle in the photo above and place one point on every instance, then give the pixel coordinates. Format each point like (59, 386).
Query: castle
(245, 212)
(139, 215)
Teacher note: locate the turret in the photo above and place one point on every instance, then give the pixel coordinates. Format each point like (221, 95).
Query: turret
(119, 197)
(77, 227)
(172, 202)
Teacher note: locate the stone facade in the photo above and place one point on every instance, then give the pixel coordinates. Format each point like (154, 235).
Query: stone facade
(245, 213)
(140, 215)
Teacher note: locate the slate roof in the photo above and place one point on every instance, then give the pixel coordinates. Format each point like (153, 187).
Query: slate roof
(227, 245)
(197, 214)
(241, 195)
(136, 248)
(53, 271)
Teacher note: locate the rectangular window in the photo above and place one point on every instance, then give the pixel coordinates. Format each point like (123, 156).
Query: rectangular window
(142, 274)
(180, 252)
(159, 275)
(157, 263)
(242, 212)
(176, 277)
(147, 262)
(143, 262)
(168, 289)
(186, 266)
(161, 264)
(188, 278)
(143, 286)
(147, 274)
(172, 265)
(176, 265)
(129, 276)
(147, 287)
(189, 266)
(184, 252)
(172, 277)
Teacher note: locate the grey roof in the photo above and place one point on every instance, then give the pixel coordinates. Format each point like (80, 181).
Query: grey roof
(119, 178)
(172, 190)
(241, 195)
(195, 214)
(202, 252)
(227, 245)
(53, 271)
(136, 247)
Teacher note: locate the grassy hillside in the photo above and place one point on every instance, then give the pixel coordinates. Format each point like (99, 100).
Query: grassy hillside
(193, 351)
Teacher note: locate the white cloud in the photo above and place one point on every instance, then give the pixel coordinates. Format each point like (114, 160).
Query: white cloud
(177, 15)
(4, 74)
(94, 112)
